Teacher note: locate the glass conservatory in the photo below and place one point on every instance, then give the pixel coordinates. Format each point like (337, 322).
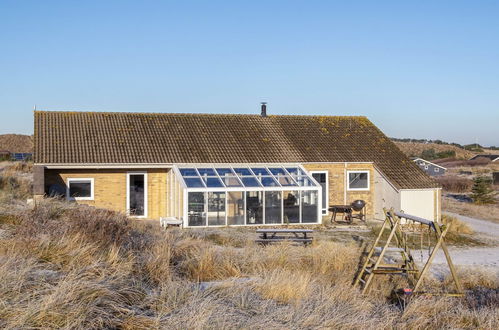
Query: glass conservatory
(229, 195)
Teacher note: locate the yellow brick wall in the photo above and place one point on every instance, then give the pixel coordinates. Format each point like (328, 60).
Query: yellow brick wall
(110, 188)
(336, 178)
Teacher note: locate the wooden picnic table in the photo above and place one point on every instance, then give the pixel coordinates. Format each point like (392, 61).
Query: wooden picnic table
(276, 235)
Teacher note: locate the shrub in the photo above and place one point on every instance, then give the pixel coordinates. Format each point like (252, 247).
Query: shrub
(456, 225)
(482, 191)
(455, 184)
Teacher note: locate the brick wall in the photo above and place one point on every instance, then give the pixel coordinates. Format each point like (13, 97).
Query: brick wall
(337, 179)
(110, 188)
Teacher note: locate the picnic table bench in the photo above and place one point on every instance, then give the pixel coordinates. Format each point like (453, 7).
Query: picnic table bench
(279, 235)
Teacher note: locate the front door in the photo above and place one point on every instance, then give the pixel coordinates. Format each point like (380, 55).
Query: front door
(137, 194)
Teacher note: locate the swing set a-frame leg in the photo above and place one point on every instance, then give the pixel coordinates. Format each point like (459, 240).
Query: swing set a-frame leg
(440, 243)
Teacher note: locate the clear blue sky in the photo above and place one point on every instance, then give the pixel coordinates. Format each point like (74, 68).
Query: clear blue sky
(421, 69)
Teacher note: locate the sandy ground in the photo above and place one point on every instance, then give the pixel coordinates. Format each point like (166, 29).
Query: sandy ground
(486, 257)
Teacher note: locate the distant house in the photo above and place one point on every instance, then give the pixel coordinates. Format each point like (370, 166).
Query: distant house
(4, 154)
(430, 168)
(493, 158)
(22, 156)
(226, 169)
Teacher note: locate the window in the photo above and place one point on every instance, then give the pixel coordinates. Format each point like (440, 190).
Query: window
(254, 207)
(426, 167)
(216, 208)
(437, 169)
(273, 207)
(321, 178)
(137, 194)
(235, 208)
(358, 180)
(196, 215)
(80, 189)
(291, 202)
(309, 203)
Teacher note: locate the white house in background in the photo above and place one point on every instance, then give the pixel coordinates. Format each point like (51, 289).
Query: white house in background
(493, 158)
(430, 168)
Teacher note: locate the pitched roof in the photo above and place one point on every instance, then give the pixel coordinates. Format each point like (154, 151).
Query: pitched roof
(416, 159)
(116, 137)
(491, 157)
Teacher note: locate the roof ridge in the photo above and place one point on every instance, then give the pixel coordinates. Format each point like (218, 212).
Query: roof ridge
(191, 113)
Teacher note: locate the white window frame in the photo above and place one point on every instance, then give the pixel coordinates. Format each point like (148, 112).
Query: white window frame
(359, 172)
(70, 180)
(436, 169)
(127, 206)
(326, 210)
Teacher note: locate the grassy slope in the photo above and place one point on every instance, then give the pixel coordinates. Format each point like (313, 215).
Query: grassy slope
(16, 142)
(414, 148)
(71, 266)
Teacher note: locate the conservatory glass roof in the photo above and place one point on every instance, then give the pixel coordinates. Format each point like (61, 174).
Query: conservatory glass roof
(221, 177)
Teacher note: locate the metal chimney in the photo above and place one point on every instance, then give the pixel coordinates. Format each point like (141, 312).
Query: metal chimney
(264, 109)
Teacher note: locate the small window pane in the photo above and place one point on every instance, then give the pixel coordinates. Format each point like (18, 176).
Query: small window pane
(268, 181)
(254, 207)
(224, 171)
(235, 208)
(195, 209)
(216, 208)
(260, 171)
(194, 182)
(273, 207)
(358, 180)
(309, 200)
(188, 172)
(243, 171)
(277, 171)
(231, 181)
(80, 189)
(250, 182)
(304, 181)
(206, 171)
(294, 171)
(213, 182)
(291, 206)
(285, 180)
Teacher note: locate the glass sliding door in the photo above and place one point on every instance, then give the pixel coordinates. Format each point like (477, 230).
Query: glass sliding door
(273, 207)
(137, 194)
(254, 207)
(196, 216)
(216, 208)
(291, 202)
(235, 208)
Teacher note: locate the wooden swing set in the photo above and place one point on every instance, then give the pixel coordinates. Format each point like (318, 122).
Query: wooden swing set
(375, 262)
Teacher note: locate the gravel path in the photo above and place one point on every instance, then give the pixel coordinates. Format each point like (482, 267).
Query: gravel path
(486, 257)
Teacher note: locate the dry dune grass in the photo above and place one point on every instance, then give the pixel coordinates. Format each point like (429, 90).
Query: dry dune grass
(68, 266)
(487, 212)
(415, 148)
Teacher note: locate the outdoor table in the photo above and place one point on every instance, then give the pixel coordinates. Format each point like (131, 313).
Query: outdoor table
(277, 235)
